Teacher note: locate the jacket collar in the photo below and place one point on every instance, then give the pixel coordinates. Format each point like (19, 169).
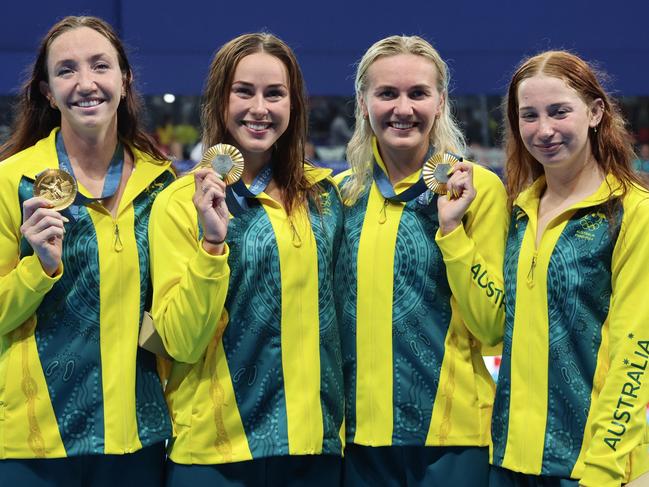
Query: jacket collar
(145, 168)
(528, 199)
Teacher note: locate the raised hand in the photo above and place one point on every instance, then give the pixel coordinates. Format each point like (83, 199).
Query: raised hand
(44, 229)
(209, 200)
(460, 194)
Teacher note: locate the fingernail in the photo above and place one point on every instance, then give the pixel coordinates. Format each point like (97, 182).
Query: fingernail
(65, 219)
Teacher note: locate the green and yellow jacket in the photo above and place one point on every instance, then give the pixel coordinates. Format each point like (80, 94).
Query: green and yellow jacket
(72, 379)
(257, 364)
(572, 389)
(415, 309)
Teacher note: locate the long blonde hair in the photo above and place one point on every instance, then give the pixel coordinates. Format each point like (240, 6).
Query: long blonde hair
(445, 135)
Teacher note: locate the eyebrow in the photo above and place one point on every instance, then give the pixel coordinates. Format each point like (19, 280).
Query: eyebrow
(554, 106)
(246, 83)
(420, 86)
(93, 58)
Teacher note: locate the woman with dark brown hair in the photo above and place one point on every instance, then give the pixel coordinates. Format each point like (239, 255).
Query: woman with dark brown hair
(79, 403)
(243, 297)
(571, 395)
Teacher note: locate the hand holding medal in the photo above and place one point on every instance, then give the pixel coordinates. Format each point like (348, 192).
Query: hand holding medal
(43, 225)
(445, 174)
(220, 166)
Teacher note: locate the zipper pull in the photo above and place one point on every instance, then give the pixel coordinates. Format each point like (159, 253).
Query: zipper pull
(297, 240)
(117, 244)
(383, 214)
(530, 274)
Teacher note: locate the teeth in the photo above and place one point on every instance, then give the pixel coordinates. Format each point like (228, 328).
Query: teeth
(257, 126)
(402, 126)
(88, 103)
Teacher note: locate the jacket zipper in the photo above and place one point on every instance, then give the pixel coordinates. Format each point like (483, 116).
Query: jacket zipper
(117, 243)
(530, 274)
(118, 246)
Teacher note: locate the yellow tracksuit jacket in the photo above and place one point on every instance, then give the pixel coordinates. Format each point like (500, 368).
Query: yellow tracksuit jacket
(72, 379)
(415, 309)
(572, 388)
(254, 335)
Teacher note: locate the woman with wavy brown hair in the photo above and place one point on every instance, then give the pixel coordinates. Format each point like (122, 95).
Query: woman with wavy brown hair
(243, 292)
(80, 403)
(571, 396)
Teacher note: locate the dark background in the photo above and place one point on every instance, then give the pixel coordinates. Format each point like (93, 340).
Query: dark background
(170, 44)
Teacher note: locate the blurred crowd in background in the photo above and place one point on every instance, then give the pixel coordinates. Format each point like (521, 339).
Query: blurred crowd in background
(174, 121)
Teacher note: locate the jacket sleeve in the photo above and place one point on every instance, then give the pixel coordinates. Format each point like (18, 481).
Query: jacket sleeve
(189, 285)
(23, 282)
(474, 255)
(619, 414)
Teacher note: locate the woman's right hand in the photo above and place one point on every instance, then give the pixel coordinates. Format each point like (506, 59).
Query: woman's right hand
(209, 200)
(461, 193)
(44, 228)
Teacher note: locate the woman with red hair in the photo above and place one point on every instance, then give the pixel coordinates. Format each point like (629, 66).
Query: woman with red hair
(571, 396)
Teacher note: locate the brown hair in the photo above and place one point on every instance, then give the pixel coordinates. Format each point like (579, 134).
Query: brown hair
(611, 144)
(288, 171)
(35, 118)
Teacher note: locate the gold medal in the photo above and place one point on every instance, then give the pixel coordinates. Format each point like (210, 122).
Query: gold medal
(435, 172)
(226, 160)
(56, 186)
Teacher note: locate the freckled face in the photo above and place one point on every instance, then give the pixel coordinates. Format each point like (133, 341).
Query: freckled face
(554, 120)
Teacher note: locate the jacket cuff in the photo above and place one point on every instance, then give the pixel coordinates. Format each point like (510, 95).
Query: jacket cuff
(211, 266)
(454, 245)
(32, 274)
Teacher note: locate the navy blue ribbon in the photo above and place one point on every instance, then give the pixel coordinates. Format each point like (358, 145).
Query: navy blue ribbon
(238, 195)
(113, 175)
(111, 182)
(385, 186)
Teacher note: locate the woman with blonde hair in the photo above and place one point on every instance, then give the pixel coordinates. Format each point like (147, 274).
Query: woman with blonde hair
(572, 393)
(80, 404)
(415, 296)
(244, 304)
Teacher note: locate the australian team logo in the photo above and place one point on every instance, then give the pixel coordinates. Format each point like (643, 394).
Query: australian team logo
(592, 221)
(589, 224)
